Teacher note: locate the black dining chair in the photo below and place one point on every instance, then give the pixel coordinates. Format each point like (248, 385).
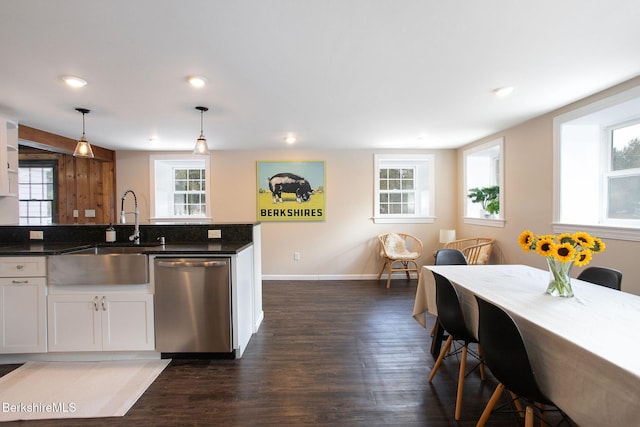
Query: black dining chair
(444, 257)
(450, 257)
(505, 354)
(451, 318)
(603, 276)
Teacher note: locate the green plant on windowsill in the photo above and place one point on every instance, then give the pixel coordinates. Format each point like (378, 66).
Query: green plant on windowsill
(488, 197)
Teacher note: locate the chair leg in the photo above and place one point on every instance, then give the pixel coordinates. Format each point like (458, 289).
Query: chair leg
(389, 274)
(463, 367)
(481, 362)
(543, 415)
(443, 352)
(495, 397)
(382, 269)
(517, 404)
(435, 326)
(528, 418)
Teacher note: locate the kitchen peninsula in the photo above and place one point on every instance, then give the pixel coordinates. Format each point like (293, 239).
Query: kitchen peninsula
(33, 299)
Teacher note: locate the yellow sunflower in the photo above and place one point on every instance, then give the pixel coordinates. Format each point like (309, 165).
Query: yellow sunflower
(564, 252)
(598, 245)
(545, 247)
(566, 238)
(583, 258)
(526, 240)
(583, 239)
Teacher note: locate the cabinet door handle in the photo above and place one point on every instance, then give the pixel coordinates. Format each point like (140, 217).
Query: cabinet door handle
(19, 267)
(19, 281)
(104, 305)
(95, 303)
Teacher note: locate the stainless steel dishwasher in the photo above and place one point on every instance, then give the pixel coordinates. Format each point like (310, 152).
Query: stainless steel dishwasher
(192, 305)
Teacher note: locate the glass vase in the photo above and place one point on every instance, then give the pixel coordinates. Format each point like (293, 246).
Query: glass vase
(560, 279)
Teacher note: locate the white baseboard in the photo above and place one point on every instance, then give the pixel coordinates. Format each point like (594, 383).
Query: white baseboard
(77, 356)
(331, 277)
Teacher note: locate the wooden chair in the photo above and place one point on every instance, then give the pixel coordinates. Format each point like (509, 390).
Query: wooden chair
(477, 250)
(400, 252)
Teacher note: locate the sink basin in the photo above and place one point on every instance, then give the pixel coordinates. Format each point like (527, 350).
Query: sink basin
(106, 250)
(100, 265)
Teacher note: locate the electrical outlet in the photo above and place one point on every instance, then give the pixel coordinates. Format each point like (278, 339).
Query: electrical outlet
(296, 256)
(36, 235)
(90, 213)
(75, 213)
(214, 234)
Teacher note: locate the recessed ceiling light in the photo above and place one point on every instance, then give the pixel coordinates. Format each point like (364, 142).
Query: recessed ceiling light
(503, 91)
(74, 81)
(197, 81)
(290, 139)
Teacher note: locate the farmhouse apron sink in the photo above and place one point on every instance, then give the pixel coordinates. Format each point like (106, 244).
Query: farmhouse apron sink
(100, 265)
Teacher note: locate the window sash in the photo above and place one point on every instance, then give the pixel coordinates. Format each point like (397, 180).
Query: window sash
(189, 196)
(36, 192)
(403, 188)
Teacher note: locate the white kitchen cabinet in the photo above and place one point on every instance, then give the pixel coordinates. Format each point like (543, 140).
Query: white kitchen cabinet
(23, 289)
(9, 203)
(9, 158)
(100, 322)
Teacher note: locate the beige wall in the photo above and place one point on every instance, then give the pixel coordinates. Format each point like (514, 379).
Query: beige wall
(344, 245)
(528, 161)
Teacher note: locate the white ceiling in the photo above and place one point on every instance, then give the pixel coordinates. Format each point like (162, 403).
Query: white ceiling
(334, 73)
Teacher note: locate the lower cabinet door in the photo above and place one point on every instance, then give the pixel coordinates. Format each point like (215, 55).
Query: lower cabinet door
(127, 322)
(112, 322)
(74, 322)
(23, 315)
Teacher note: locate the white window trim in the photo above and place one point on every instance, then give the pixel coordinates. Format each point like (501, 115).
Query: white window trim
(487, 222)
(427, 218)
(152, 186)
(616, 232)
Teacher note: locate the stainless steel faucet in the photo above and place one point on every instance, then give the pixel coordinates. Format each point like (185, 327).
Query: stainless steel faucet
(135, 237)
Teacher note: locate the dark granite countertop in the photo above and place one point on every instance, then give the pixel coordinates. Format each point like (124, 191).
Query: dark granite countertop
(221, 248)
(40, 249)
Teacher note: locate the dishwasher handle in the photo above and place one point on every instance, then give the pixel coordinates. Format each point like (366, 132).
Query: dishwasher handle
(191, 263)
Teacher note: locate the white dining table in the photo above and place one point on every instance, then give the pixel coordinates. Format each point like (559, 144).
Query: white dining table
(585, 350)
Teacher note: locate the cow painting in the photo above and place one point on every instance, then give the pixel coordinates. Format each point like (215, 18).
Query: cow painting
(289, 183)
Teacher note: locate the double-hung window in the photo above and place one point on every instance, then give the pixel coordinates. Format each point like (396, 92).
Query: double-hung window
(403, 188)
(37, 192)
(597, 168)
(189, 191)
(621, 180)
(179, 185)
(484, 184)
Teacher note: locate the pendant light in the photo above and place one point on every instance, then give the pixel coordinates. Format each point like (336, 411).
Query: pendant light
(83, 148)
(201, 147)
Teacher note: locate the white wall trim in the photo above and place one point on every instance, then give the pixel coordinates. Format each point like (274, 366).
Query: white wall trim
(334, 277)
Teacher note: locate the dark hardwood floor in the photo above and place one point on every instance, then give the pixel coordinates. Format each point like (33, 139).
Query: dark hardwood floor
(334, 353)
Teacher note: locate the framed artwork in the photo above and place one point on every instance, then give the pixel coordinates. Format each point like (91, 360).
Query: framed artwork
(291, 190)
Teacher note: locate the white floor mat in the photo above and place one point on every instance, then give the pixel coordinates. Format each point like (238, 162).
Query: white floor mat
(46, 390)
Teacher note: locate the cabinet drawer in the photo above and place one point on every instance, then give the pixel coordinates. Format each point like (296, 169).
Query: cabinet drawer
(23, 281)
(23, 266)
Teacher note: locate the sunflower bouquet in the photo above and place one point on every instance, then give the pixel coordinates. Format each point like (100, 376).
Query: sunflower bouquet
(562, 251)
